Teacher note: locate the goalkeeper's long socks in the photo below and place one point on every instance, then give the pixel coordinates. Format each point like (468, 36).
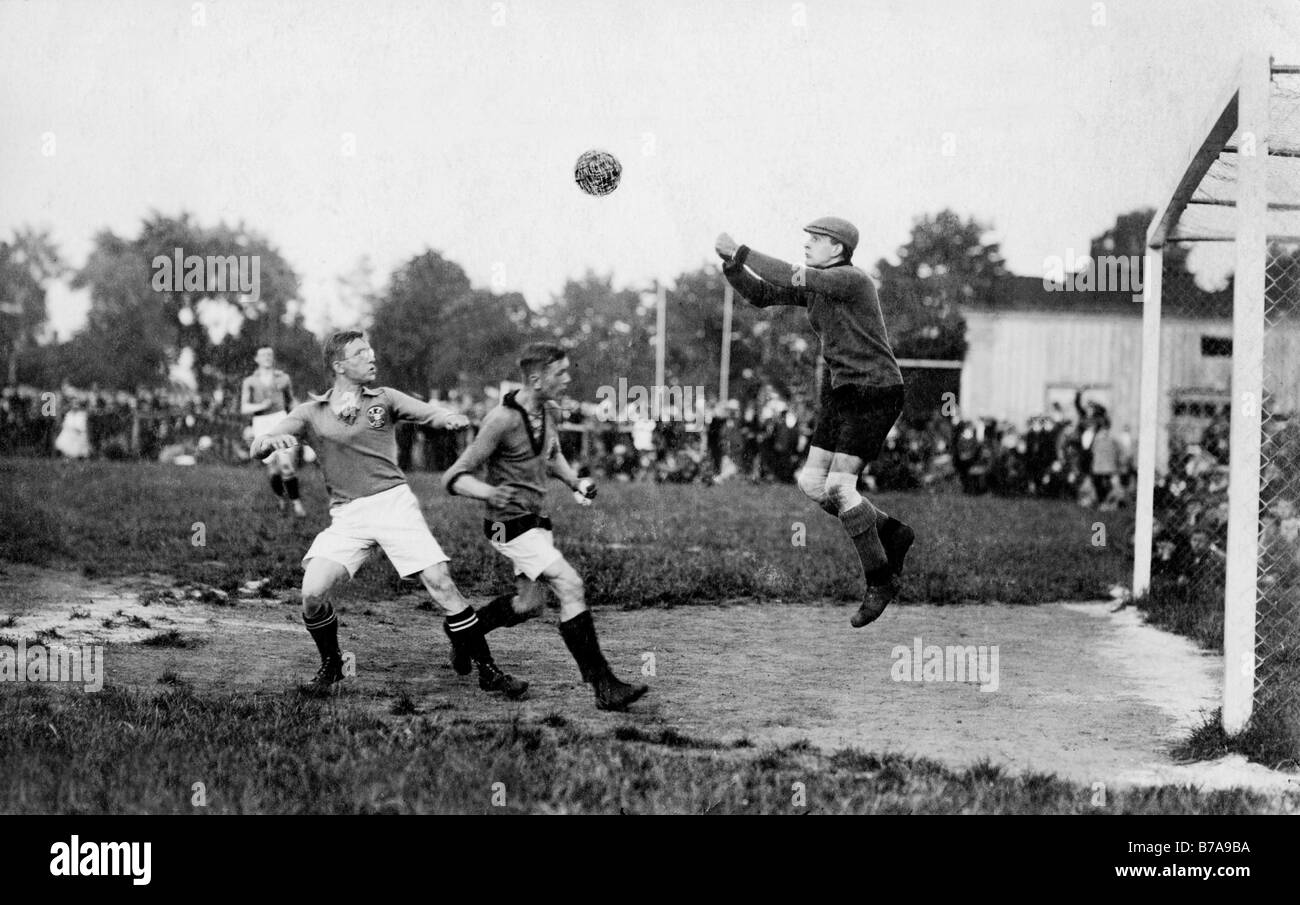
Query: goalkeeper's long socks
(896, 538)
(324, 630)
(860, 525)
(277, 485)
(291, 487)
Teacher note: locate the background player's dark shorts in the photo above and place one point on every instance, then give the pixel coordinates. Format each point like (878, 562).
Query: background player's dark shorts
(856, 419)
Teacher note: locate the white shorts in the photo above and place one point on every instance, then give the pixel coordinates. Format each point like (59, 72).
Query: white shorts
(264, 424)
(391, 520)
(532, 552)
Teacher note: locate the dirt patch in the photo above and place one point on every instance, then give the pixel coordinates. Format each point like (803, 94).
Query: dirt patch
(1078, 691)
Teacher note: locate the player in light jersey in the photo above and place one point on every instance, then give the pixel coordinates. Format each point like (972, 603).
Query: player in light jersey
(371, 505)
(267, 395)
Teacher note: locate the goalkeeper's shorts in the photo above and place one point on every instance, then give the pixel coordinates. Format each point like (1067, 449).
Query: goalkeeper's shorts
(856, 419)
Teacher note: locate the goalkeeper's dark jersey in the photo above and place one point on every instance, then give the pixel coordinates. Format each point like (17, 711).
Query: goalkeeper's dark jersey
(842, 307)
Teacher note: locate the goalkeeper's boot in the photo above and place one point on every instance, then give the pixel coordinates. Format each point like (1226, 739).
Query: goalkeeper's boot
(492, 678)
(330, 672)
(874, 602)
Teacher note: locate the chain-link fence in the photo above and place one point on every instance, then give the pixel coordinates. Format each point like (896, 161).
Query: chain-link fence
(1277, 609)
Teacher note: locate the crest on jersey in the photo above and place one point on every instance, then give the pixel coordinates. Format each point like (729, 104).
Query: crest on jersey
(375, 415)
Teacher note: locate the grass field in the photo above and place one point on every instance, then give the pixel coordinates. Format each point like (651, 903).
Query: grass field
(641, 545)
(134, 752)
(140, 746)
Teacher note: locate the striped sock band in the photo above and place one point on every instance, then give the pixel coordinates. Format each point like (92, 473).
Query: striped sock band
(466, 630)
(323, 619)
(465, 619)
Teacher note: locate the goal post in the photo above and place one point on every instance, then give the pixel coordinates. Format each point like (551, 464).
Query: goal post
(1218, 517)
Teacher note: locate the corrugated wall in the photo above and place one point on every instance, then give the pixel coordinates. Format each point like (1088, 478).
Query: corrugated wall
(1014, 358)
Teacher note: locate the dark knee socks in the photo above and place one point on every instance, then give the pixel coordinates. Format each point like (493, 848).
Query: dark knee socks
(500, 613)
(323, 626)
(466, 631)
(579, 635)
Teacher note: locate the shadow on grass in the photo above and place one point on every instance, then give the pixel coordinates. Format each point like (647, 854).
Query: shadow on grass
(134, 751)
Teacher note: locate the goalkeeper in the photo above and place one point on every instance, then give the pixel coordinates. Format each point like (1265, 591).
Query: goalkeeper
(861, 388)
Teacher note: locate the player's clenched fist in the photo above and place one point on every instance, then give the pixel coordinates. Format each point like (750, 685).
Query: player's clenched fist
(585, 492)
(725, 246)
(455, 422)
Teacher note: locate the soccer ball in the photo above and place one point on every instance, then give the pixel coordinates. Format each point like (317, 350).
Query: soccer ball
(597, 172)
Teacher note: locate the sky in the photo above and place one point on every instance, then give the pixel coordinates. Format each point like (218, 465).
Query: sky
(343, 130)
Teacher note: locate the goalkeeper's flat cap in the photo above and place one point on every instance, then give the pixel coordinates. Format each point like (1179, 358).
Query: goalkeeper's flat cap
(842, 231)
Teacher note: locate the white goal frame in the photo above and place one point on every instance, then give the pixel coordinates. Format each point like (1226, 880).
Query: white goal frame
(1243, 107)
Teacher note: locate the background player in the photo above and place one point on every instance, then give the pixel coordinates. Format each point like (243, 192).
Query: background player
(267, 395)
(371, 504)
(519, 444)
(861, 394)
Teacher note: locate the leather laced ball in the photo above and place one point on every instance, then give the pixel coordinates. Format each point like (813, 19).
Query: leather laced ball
(597, 172)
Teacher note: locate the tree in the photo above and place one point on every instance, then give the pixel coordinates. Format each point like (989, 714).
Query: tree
(1127, 239)
(432, 330)
(139, 321)
(944, 264)
(28, 262)
(774, 345)
(610, 333)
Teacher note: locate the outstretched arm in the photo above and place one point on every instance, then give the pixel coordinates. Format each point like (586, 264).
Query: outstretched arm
(429, 414)
(800, 279)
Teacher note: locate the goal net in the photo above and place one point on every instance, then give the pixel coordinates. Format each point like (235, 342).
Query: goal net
(1218, 516)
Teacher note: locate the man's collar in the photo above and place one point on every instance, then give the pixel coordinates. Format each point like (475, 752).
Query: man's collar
(511, 400)
(328, 394)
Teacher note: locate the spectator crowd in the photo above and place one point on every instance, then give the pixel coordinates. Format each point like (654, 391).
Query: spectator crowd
(764, 439)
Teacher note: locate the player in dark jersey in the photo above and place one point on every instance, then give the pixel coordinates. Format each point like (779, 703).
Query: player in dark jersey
(519, 447)
(862, 388)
